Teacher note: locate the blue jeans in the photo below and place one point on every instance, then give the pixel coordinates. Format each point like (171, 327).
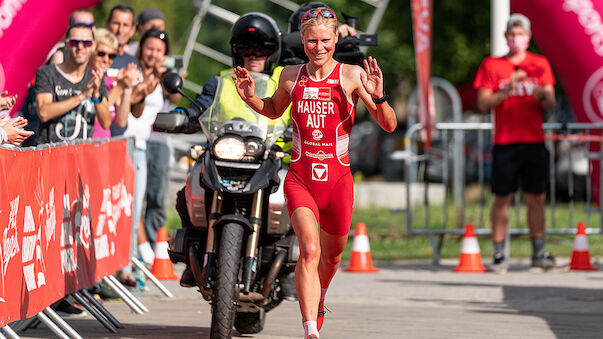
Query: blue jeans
(158, 180)
(140, 183)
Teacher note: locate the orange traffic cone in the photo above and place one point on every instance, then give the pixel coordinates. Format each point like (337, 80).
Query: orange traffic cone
(470, 260)
(162, 266)
(360, 261)
(580, 254)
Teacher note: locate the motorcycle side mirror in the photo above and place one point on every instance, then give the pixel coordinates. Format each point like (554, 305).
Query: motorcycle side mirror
(172, 82)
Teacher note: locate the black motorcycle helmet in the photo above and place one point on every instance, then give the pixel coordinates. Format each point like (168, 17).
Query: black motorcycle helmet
(256, 33)
(296, 17)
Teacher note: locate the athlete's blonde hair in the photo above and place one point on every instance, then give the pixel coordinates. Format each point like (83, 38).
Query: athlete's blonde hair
(105, 37)
(320, 20)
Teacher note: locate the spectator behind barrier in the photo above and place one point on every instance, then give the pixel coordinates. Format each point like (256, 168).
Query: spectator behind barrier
(70, 95)
(79, 16)
(121, 23)
(519, 87)
(158, 155)
(154, 46)
(56, 56)
(119, 95)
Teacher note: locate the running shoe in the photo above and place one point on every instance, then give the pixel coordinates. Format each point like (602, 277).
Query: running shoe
(312, 336)
(321, 314)
(545, 262)
(499, 264)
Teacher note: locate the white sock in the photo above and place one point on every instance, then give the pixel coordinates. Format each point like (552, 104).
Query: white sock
(146, 252)
(310, 328)
(323, 292)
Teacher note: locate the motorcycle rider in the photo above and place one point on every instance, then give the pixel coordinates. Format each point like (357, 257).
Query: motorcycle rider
(255, 44)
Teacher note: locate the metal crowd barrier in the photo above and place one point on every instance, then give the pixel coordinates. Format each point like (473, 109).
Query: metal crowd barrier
(50, 318)
(449, 142)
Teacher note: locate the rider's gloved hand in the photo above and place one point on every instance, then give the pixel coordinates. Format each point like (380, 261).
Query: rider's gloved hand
(180, 110)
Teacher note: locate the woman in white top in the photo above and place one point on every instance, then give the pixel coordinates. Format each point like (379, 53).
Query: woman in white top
(154, 46)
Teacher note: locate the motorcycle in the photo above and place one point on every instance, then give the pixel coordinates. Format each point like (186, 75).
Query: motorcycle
(236, 237)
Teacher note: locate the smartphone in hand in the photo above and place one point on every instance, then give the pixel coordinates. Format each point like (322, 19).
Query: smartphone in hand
(174, 62)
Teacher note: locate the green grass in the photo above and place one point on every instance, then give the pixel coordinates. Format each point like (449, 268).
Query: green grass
(389, 241)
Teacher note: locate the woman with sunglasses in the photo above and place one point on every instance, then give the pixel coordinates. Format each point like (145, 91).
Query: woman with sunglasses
(319, 187)
(119, 95)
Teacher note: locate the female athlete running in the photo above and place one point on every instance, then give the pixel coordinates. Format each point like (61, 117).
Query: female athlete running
(318, 186)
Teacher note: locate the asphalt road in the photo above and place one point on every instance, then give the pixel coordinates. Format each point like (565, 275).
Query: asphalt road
(405, 300)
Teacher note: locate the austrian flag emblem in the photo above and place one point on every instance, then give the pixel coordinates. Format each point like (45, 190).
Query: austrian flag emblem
(320, 172)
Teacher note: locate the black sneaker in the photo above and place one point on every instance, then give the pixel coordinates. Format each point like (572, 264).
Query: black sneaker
(64, 308)
(499, 264)
(545, 262)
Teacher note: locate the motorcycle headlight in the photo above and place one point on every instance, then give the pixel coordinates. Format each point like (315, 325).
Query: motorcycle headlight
(230, 148)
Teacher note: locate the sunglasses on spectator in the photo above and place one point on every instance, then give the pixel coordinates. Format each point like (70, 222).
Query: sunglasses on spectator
(87, 23)
(75, 42)
(102, 54)
(313, 13)
(256, 52)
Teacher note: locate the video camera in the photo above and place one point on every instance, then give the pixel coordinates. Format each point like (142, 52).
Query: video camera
(346, 51)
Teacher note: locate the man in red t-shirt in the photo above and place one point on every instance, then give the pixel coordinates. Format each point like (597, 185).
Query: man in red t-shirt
(519, 87)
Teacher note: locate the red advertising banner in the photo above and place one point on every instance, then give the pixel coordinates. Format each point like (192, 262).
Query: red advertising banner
(570, 33)
(65, 222)
(28, 31)
(422, 15)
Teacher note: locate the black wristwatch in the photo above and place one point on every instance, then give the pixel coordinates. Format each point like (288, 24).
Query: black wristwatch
(381, 100)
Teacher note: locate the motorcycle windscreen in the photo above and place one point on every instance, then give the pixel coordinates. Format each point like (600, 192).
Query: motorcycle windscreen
(228, 107)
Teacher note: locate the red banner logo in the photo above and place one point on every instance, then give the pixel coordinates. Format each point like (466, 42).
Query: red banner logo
(65, 222)
(421, 24)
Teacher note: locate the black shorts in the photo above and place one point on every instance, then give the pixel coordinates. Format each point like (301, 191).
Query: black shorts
(526, 163)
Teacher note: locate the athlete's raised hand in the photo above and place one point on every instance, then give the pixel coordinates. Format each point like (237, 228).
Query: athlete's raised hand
(373, 79)
(244, 83)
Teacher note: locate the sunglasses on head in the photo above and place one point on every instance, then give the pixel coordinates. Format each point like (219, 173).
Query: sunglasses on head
(87, 23)
(313, 13)
(155, 33)
(102, 54)
(75, 42)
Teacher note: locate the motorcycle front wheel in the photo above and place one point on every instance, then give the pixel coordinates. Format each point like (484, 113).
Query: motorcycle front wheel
(224, 292)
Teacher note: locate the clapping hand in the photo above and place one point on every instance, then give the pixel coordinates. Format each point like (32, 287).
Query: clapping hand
(7, 101)
(93, 86)
(146, 87)
(244, 83)
(129, 77)
(15, 131)
(372, 80)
